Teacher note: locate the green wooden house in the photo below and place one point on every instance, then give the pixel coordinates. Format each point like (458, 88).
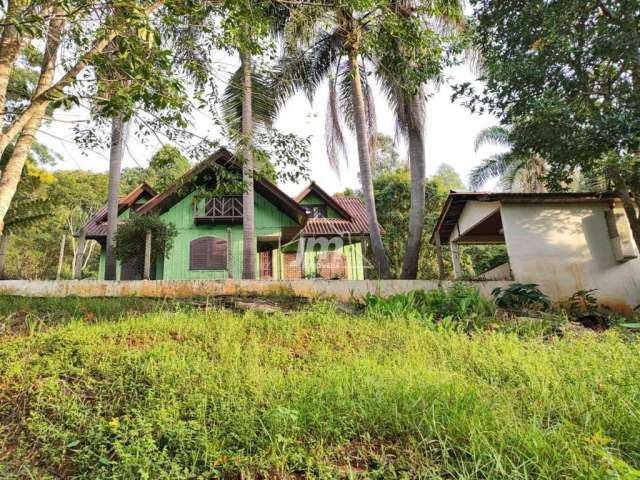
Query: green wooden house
(314, 235)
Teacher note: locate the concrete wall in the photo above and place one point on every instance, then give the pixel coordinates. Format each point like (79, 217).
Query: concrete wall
(565, 248)
(344, 290)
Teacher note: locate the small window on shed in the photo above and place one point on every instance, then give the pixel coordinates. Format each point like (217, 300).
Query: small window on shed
(208, 253)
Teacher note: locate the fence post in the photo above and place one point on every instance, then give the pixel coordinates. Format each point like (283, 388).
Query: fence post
(147, 256)
(77, 261)
(61, 256)
(439, 256)
(229, 255)
(455, 260)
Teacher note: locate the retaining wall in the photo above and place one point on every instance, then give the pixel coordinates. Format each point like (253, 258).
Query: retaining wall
(343, 290)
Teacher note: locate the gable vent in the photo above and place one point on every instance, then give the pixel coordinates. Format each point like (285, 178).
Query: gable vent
(208, 253)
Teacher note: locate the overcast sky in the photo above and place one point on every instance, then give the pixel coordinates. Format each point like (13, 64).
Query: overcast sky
(451, 129)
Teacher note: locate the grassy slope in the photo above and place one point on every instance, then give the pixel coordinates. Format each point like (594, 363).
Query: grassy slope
(177, 395)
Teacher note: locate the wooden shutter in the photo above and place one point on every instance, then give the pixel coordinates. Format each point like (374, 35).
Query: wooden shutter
(208, 253)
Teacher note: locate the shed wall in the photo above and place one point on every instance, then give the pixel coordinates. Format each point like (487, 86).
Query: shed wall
(565, 248)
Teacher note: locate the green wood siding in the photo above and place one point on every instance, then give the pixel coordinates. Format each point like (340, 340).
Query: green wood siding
(313, 199)
(269, 221)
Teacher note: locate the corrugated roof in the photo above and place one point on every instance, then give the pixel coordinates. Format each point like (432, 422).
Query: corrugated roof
(457, 200)
(335, 226)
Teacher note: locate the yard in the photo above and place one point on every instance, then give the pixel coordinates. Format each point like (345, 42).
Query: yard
(133, 389)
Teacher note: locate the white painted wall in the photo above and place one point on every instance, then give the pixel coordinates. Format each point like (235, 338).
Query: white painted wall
(566, 247)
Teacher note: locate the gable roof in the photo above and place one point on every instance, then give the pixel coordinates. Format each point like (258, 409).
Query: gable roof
(313, 187)
(96, 228)
(456, 202)
(336, 226)
(223, 157)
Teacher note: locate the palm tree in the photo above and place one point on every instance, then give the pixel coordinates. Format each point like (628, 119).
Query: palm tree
(410, 112)
(335, 54)
(515, 172)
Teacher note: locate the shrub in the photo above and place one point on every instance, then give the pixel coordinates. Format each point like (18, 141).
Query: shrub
(521, 296)
(131, 236)
(460, 305)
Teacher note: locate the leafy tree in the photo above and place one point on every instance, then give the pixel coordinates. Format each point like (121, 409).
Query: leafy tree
(165, 167)
(53, 23)
(566, 77)
(393, 201)
(69, 197)
(524, 173)
(386, 158)
(448, 178)
(131, 239)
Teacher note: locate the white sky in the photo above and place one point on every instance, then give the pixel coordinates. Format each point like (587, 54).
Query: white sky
(451, 129)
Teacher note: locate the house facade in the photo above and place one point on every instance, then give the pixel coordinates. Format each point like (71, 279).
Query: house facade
(564, 242)
(314, 235)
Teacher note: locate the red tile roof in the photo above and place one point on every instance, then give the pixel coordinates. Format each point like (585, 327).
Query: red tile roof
(336, 226)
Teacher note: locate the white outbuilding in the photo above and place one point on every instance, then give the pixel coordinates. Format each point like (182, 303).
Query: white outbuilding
(563, 242)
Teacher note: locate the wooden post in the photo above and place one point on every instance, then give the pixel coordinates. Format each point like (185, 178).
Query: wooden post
(61, 256)
(78, 260)
(147, 256)
(229, 255)
(441, 272)
(301, 255)
(279, 258)
(455, 260)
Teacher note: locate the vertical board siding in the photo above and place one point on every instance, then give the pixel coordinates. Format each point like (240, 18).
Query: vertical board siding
(313, 199)
(269, 221)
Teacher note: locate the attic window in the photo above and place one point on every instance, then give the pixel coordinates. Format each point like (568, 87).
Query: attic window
(208, 253)
(316, 211)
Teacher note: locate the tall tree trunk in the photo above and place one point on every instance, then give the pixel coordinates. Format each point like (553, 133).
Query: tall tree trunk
(4, 247)
(11, 43)
(630, 206)
(248, 219)
(416, 213)
(42, 100)
(13, 170)
(364, 157)
(115, 164)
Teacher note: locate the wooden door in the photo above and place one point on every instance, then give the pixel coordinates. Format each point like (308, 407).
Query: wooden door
(266, 265)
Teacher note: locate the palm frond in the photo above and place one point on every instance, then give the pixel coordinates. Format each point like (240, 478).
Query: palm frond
(334, 137)
(301, 69)
(494, 166)
(264, 103)
(496, 135)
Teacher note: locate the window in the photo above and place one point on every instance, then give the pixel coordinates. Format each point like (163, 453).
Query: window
(208, 253)
(316, 211)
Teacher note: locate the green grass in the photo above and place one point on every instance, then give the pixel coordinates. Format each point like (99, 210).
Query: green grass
(316, 393)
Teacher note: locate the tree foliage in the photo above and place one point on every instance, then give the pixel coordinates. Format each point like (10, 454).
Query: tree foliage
(131, 239)
(565, 77)
(165, 167)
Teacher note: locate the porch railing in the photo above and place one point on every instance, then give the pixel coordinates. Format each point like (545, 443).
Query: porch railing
(227, 209)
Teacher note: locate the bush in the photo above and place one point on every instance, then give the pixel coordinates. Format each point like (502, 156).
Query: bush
(460, 305)
(519, 296)
(131, 238)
